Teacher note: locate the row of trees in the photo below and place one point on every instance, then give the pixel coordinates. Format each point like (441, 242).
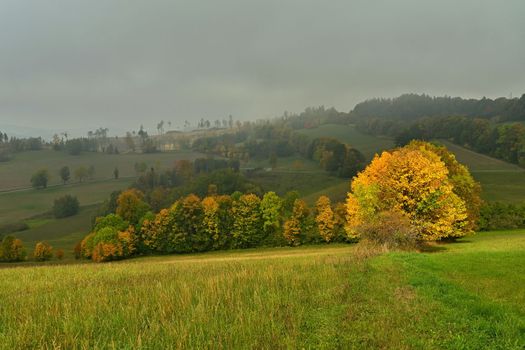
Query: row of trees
(192, 224)
(414, 106)
(13, 250)
(10, 145)
(40, 179)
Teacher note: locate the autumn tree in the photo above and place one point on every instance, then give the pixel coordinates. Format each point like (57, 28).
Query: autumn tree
(210, 221)
(12, 249)
(296, 226)
(325, 219)
(131, 206)
(247, 230)
(43, 251)
(414, 183)
(464, 185)
(162, 235)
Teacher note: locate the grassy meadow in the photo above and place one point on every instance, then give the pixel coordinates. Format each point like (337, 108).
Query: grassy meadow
(501, 181)
(17, 172)
(467, 295)
(369, 145)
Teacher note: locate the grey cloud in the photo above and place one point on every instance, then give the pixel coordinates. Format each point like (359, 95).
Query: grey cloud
(81, 64)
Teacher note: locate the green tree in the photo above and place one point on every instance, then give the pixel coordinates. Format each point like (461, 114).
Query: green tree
(81, 173)
(65, 174)
(247, 229)
(40, 179)
(271, 206)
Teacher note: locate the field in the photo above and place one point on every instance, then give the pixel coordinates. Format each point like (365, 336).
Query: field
(467, 295)
(19, 205)
(367, 144)
(17, 172)
(501, 181)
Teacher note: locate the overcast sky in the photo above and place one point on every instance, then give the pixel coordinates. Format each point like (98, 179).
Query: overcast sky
(81, 64)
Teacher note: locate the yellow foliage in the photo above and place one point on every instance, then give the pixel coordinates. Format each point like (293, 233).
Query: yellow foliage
(325, 218)
(295, 226)
(211, 217)
(411, 181)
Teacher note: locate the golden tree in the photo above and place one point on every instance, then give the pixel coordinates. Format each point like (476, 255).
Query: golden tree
(413, 182)
(462, 181)
(325, 219)
(295, 226)
(210, 219)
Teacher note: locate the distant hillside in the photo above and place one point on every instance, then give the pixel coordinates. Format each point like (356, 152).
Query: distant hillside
(414, 106)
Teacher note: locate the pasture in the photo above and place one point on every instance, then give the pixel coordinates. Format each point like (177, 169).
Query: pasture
(501, 181)
(369, 145)
(17, 172)
(467, 295)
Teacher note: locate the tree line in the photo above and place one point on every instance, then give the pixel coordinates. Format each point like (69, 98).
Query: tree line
(195, 224)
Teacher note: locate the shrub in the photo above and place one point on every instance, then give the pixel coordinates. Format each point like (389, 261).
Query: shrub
(43, 251)
(499, 216)
(12, 249)
(390, 229)
(65, 206)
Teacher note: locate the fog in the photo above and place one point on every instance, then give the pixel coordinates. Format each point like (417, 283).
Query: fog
(79, 64)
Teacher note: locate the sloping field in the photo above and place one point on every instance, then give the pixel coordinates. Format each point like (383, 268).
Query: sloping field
(468, 295)
(501, 181)
(17, 172)
(367, 144)
(18, 205)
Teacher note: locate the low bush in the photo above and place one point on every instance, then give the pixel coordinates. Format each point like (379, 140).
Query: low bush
(499, 216)
(392, 230)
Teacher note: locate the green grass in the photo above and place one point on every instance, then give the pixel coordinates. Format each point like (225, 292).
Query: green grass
(59, 233)
(19, 205)
(17, 172)
(500, 181)
(304, 182)
(367, 144)
(468, 295)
